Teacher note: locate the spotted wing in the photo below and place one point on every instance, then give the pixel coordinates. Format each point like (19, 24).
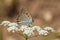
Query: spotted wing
(25, 18)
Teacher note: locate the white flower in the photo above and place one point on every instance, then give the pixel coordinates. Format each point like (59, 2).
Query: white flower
(43, 32)
(23, 27)
(5, 23)
(12, 29)
(13, 24)
(33, 28)
(28, 31)
(49, 29)
(36, 28)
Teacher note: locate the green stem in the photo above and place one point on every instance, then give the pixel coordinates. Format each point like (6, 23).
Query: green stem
(26, 38)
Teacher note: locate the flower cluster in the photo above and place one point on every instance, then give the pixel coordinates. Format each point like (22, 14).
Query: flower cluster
(12, 29)
(5, 23)
(27, 30)
(43, 32)
(49, 29)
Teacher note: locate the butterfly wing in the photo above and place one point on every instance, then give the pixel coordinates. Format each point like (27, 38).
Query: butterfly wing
(25, 18)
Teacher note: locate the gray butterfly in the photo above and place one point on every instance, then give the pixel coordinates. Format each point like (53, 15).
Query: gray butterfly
(24, 18)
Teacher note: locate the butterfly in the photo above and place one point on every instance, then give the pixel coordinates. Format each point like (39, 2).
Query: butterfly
(24, 18)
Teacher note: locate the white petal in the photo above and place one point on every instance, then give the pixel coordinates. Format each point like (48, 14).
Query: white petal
(13, 24)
